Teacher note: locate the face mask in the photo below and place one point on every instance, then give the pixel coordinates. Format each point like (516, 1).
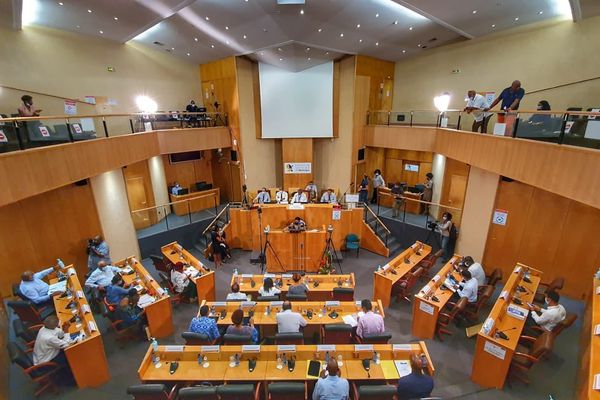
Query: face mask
(539, 107)
(546, 301)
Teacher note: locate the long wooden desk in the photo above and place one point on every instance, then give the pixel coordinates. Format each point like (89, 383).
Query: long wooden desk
(298, 251)
(218, 366)
(160, 312)
(492, 354)
(184, 205)
(425, 309)
(267, 323)
(591, 347)
(250, 284)
(86, 357)
(204, 278)
(388, 199)
(396, 269)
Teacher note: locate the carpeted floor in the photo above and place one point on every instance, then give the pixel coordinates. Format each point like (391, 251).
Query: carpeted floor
(452, 358)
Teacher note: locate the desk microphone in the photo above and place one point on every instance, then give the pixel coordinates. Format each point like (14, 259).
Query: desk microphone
(521, 289)
(526, 279)
(435, 299)
(502, 335)
(348, 188)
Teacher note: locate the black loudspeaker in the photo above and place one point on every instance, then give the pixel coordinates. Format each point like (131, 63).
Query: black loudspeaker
(361, 154)
(233, 155)
(507, 179)
(82, 182)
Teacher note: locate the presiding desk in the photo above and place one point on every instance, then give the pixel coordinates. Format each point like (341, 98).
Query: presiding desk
(195, 201)
(217, 366)
(388, 199)
(264, 313)
(86, 357)
(203, 278)
(295, 251)
(396, 269)
(320, 286)
(158, 308)
(493, 354)
(425, 309)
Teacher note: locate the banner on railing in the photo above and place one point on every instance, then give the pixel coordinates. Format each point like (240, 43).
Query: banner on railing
(297, 168)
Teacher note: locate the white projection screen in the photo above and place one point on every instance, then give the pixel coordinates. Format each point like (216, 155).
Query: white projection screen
(296, 104)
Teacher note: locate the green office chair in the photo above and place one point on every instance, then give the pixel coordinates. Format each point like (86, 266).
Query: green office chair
(353, 242)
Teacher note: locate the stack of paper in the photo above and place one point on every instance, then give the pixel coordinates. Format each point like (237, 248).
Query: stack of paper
(145, 300)
(57, 287)
(403, 367)
(349, 320)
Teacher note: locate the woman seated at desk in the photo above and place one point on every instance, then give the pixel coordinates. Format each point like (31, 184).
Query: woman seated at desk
(182, 283)
(268, 289)
(298, 287)
(238, 329)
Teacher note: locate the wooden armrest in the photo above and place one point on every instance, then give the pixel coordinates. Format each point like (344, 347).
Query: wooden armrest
(526, 356)
(257, 391)
(355, 390)
(527, 339)
(174, 391)
(42, 365)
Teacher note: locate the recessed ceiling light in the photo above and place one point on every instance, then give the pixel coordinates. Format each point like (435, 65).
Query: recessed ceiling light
(474, 11)
(541, 12)
(302, 12)
(172, 48)
(212, 45)
(206, 18)
(227, 41)
(419, 45)
(341, 35)
(357, 26)
(61, 3)
(319, 30)
(188, 54)
(89, 10)
(359, 40)
(308, 49)
(326, 53)
(245, 36)
(195, 39)
(410, 28)
(116, 18)
(516, 18)
(262, 53)
(308, 58)
(403, 51)
(377, 15)
(265, 30)
(376, 43)
(279, 49)
(281, 59)
(78, 26)
(101, 32)
(493, 25)
(395, 22)
(226, 28)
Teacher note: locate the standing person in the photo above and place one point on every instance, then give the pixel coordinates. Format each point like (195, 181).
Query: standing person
(245, 198)
(377, 182)
(27, 109)
(417, 384)
(182, 283)
(176, 188)
(363, 190)
(98, 250)
(192, 108)
(510, 97)
(444, 229)
(312, 190)
(330, 386)
(427, 191)
(218, 247)
(397, 192)
(475, 105)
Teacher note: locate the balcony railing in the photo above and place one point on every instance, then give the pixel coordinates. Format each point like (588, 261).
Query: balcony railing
(576, 128)
(30, 132)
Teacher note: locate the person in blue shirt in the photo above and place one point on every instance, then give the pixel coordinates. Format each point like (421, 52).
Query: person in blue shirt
(204, 324)
(262, 197)
(34, 288)
(416, 384)
(175, 189)
(102, 276)
(98, 250)
(116, 290)
(129, 312)
(330, 386)
(363, 190)
(510, 97)
(237, 317)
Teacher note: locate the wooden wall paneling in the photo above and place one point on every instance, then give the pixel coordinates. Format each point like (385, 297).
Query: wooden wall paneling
(454, 187)
(336, 99)
(374, 159)
(297, 150)
(361, 105)
(140, 193)
(393, 170)
(177, 141)
(225, 175)
(257, 106)
(189, 172)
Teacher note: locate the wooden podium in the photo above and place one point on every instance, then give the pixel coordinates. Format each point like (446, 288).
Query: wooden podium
(295, 251)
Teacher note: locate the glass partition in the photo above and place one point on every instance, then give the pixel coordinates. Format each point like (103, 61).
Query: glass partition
(546, 126)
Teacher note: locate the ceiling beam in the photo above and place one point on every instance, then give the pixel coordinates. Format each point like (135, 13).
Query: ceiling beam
(159, 18)
(435, 19)
(576, 10)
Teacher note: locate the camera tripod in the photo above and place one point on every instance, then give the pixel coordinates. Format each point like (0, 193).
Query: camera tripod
(329, 246)
(263, 255)
(432, 237)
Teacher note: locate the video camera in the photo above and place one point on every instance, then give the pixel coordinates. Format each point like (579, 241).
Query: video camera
(432, 225)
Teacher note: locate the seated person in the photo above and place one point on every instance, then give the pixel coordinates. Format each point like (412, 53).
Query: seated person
(475, 269)
(330, 386)
(297, 225)
(541, 119)
(50, 343)
(329, 197)
(299, 197)
(370, 323)
(204, 324)
(281, 197)
(312, 190)
(34, 288)
(417, 384)
(116, 290)
(298, 287)
(549, 317)
(238, 329)
(102, 276)
(129, 312)
(236, 294)
(175, 189)
(468, 287)
(182, 283)
(268, 289)
(262, 197)
(289, 321)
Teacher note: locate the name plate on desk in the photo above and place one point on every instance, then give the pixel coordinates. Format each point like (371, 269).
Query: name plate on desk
(363, 347)
(517, 312)
(597, 382)
(247, 276)
(248, 304)
(85, 308)
(296, 206)
(276, 303)
(517, 270)
(210, 349)
(92, 326)
(425, 307)
(597, 329)
(436, 278)
(426, 289)
(174, 349)
(269, 276)
(80, 294)
(332, 304)
(325, 347)
(385, 267)
(71, 271)
(598, 290)
(251, 348)
(286, 276)
(494, 350)
(286, 348)
(219, 303)
(401, 347)
(160, 291)
(504, 295)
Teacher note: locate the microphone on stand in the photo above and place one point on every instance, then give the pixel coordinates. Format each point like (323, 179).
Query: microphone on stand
(502, 335)
(348, 188)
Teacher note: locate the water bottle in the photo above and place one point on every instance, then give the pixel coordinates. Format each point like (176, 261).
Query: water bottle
(378, 268)
(327, 358)
(235, 271)
(60, 263)
(376, 358)
(268, 310)
(155, 357)
(154, 345)
(200, 359)
(597, 276)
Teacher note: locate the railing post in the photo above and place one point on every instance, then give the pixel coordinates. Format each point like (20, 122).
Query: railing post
(515, 127)
(389, 115)
(131, 125)
(69, 130)
(104, 126)
(411, 119)
(458, 123)
(563, 128)
(18, 132)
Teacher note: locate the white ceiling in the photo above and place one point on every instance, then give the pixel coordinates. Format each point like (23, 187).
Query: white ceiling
(196, 30)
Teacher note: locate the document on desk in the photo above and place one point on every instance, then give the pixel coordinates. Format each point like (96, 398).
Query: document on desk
(127, 270)
(389, 369)
(449, 284)
(350, 320)
(403, 367)
(145, 300)
(57, 287)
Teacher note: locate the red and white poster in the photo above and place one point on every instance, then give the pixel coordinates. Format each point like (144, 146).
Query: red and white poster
(77, 128)
(70, 107)
(44, 131)
(3, 137)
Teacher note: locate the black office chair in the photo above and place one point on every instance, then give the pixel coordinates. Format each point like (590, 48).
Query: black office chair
(239, 391)
(43, 374)
(193, 338)
(287, 391)
(289, 338)
(16, 291)
(374, 392)
(159, 263)
(198, 393)
(28, 313)
(267, 298)
(343, 294)
(231, 338)
(296, 297)
(27, 334)
(153, 391)
(383, 338)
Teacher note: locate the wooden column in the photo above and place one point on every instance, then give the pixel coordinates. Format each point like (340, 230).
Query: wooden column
(300, 151)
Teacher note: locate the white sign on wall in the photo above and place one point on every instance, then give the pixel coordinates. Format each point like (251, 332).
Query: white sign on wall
(70, 107)
(500, 217)
(337, 214)
(297, 168)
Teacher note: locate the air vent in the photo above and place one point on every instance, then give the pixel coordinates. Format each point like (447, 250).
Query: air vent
(432, 40)
(424, 47)
(168, 50)
(159, 43)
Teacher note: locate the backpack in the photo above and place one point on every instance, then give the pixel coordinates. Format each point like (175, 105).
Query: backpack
(453, 232)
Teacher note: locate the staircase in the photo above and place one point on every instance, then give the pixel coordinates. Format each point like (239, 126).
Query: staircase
(382, 231)
(222, 219)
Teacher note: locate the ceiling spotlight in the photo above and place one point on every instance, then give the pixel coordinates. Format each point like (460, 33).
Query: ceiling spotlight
(212, 45)
(410, 28)
(308, 49)
(493, 25)
(359, 40)
(281, 59)
(101, 32)
(116, 18)
(262, 53)
(516, 18)
(474, 11)
(403, 51)
(302, 12)
(357, 26)
(341, 35)
(376, 43)
(89, 10)
(419, 45)
(308, 58)
(61, 3)
(206, 18)
(195, 39)
(279, 49)
(265, 30)
(245, 36)
(172, 48)
(326, 53)
(395, 22)
(78, 26)
(227, 41)
(377, 15)
(319, 30)
(188, 54)
(541, 12)
(226, 28)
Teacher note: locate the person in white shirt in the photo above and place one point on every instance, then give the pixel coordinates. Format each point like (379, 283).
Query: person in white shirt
(176, 188)
(549, 317)
(182, 283)
(268, 289)
(299, 197)
(329, 197)
(289, 321)
(468, 287)
(281, 197)
(49, 343)
(262, 197)
(476, 104)
(312, 190)
(475, 269)
(236, 294)
(102, 276)
(377, 182)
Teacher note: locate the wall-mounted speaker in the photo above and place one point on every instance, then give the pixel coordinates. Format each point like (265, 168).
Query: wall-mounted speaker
(233, 155)
(361, 154)
(82, 182)
(507, 179)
